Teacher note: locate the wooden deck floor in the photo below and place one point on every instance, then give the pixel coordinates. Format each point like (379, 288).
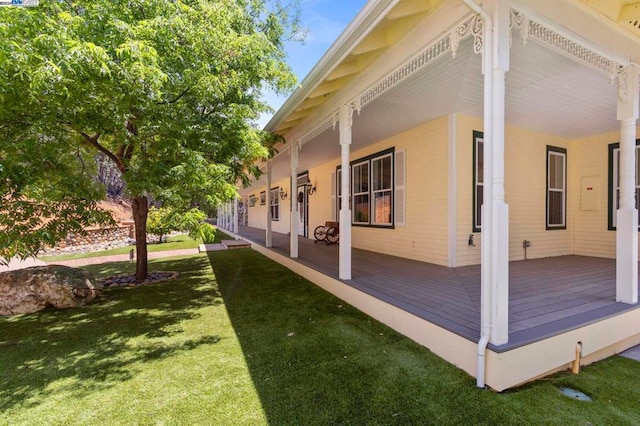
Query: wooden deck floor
(546, 296)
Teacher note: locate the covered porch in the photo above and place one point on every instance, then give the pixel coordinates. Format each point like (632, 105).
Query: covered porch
(548, 296)
(503, 127)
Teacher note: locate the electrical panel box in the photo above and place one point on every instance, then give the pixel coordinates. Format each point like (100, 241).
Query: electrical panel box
(590, 193)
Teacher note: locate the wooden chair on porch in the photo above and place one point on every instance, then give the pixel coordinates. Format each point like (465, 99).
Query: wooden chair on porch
(329, 233)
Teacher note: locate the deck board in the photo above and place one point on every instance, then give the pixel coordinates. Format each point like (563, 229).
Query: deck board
(546, 296)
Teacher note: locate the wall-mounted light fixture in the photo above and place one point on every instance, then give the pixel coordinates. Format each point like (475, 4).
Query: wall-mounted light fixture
(283, 195)
(311, 189)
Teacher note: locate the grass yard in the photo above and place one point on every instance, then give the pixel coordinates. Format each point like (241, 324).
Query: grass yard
(176, 242)
(241, 340)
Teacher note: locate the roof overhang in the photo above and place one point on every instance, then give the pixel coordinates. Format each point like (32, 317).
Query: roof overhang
(548, 90)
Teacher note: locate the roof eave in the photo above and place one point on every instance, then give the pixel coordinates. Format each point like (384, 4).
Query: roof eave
(364, 22)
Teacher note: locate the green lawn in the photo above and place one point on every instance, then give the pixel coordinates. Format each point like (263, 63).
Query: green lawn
(216, 347)
(173, 243)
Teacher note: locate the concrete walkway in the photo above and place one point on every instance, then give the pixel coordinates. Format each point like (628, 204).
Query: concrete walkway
(123, 257)
(21, 264)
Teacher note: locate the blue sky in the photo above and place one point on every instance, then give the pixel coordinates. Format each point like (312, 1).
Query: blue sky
(325, 20)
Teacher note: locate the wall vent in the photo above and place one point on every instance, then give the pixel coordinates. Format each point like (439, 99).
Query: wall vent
(630, 17)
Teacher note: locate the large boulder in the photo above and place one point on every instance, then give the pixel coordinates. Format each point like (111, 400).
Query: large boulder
(33, 289)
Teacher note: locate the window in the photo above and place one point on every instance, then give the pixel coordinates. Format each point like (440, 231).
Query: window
(614, 181)
(263, 198)
(339, 192)
(400, 188)
(556, 188)
(478, 179)
(371, 190)
(360, 193)
(252, 200)
(275, 204)
(382, 190)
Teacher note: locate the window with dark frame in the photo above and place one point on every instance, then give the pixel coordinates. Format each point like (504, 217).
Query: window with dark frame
(252, 200)
(339, 192)
(360, 193)
(478, 179)
(614, 182)
(275, 204)
(556, 188)
(263, 198)
(382, 189)
(371, 190)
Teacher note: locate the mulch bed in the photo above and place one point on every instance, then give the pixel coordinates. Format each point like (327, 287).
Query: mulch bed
(129, 280)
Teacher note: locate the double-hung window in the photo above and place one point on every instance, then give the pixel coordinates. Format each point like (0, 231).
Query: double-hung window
(371, 190)
(478, 179)
(275, 204)
(360, 192)
(382, 192)
(556, 188)
(614, 181)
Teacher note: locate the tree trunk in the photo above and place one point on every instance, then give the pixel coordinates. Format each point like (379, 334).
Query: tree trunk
(140, 209)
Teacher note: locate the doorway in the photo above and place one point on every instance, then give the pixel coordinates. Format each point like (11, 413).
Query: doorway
(302, 198)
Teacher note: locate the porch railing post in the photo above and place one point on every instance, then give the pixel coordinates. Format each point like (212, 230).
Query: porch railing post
(627, 214)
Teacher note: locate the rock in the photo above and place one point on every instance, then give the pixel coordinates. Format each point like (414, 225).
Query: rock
(33, 289)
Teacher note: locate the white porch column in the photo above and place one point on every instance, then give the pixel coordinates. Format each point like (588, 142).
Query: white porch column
(499, 216)
(269, 239)
(293, 198)
(226, 215)
(627, 214)
(235, 217)
(346, 113)
(485, 238)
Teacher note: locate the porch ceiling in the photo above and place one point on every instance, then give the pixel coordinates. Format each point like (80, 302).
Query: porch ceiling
(546, 92)
(625, 13)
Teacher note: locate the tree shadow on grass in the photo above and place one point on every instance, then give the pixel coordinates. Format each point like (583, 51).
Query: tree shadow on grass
(316, 360)
(99, 345)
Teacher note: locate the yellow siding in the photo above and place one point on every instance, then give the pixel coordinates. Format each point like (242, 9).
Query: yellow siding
(424, 236)
(320, 201)
(591, 159)
(466, 255)
(258, 213)
(525, 193)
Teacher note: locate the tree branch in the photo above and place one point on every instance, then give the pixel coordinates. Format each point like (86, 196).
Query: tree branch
(131, 127)
(93, 142)
(184, 92)
(128, 151)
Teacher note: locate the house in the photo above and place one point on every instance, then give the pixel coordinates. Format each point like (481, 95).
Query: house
(476, 135)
